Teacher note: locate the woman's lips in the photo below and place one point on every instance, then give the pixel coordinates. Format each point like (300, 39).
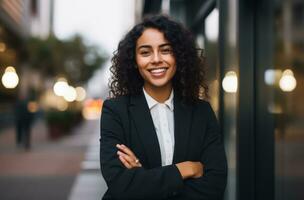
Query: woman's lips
(158, 72)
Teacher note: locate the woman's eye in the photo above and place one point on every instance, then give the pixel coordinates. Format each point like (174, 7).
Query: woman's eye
(144, 53)
(166, 51)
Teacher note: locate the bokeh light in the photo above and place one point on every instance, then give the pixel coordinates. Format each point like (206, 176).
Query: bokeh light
(2, 47)
(230, 82)
(272, 76)
(60, 87)
(70, 94)
(92, 109)
(81, 93)
(288, 82)
(10, 78)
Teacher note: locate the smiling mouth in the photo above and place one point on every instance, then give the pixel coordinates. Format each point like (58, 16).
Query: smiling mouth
(158, 71)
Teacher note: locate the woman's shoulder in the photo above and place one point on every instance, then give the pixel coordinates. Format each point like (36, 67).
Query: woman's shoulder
(117, 101)
(203, 106)
(116, 105)
(202, 103)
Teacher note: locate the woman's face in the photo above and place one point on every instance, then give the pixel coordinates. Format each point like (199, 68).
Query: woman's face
(155, 59)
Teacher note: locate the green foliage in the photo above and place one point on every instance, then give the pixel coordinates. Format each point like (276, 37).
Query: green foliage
(72, 58)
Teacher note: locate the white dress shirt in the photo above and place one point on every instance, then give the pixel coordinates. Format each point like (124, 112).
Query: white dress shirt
(163, 120)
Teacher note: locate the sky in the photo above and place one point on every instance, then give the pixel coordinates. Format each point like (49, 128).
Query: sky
(100, 22)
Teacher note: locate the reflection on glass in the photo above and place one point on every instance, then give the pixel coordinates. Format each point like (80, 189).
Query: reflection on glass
(288, 100)
(2, 47)
(229, 107)
(230, 82)
(288, 81)
(211, 25)
(272, 76)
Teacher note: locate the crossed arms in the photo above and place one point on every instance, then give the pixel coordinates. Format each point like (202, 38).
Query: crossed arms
(127, 178)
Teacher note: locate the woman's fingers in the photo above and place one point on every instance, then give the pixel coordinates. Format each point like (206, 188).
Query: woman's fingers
(133, 162)
(128, 156)
(124, 162)
(198, 168)
(125, 149)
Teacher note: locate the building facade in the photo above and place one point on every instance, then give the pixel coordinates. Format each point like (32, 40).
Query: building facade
(255, 73)
(19, 20)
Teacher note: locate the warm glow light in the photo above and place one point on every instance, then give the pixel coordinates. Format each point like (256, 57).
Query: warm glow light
(62, 105)
(288, 82)
(230, 82)
(92, 109)
(70, 94)
(81, 93)
(2, 47)
(212, 25)
(60, 87)
(10, 78)
(272, 76)
(51, 101)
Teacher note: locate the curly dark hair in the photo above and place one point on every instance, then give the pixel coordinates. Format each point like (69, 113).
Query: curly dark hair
(189, 80)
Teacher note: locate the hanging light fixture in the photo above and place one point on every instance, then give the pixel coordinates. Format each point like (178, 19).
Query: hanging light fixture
(10, 78)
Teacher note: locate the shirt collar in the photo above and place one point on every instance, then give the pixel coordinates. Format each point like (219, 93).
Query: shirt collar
(152, 102)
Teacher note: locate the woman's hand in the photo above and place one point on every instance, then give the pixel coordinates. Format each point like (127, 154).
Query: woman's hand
(127, 157)
(189, 169)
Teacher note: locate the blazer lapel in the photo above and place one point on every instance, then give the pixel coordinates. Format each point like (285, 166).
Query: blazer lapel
(140, 112)
(182, 123)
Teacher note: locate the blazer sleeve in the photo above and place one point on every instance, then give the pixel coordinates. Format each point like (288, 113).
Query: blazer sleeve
(211, 186)
(123, 183)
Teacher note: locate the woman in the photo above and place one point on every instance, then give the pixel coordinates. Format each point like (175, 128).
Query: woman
(159, 140)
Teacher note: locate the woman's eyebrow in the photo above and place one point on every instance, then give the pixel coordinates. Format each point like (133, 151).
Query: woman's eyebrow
(166, 44)
(144, 46)
(149, 46)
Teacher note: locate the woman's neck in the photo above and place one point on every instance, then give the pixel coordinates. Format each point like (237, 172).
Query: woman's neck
(160, 94)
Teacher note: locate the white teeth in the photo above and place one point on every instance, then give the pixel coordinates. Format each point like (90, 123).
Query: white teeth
(160, 70)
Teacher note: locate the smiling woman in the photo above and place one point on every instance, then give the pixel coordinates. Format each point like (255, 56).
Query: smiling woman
(157, 130)
(156, 63)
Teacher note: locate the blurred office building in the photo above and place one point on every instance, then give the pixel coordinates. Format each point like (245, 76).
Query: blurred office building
(254, 51)
(19, 20)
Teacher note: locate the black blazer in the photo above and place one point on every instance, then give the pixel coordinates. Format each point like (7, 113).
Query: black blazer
(127, 120)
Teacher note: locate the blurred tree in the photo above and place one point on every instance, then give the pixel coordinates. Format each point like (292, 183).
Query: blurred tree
(72, 58)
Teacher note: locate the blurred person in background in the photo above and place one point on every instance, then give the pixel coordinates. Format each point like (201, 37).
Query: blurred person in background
(23, 119)
(159, 139)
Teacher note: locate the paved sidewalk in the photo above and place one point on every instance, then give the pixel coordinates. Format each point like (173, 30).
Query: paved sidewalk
(89, 184)
(49, 169)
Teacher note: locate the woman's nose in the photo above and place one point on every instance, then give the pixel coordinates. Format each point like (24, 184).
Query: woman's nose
(156, 57)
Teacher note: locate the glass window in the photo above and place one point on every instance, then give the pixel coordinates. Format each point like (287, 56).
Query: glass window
(211, 48)
(287, 80)
(229, 84)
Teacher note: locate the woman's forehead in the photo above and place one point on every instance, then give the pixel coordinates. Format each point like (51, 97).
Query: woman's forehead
(152, 37)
